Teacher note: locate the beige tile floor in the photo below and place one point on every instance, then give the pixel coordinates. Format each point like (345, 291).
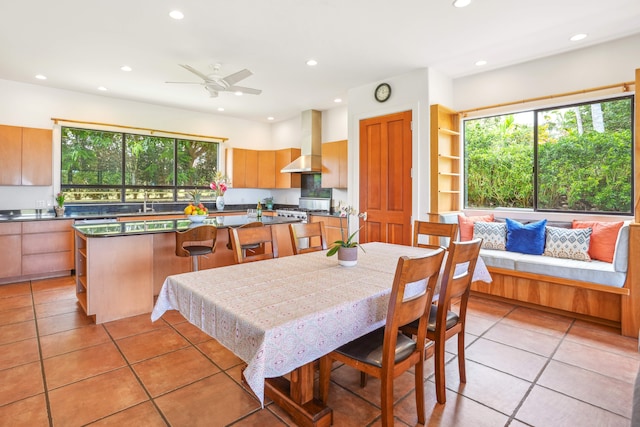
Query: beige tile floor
(524, 367)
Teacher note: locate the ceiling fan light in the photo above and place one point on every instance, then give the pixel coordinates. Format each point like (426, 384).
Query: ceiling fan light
(461, 3)
(176, 14)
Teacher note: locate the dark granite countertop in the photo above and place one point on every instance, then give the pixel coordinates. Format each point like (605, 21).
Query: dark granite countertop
(126, 228)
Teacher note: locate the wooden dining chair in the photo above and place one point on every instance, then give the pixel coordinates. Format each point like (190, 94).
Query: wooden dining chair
(444, 323)
(195, 242)
(247, 225)
(243, 238)
(386, 353)
(435, 234)
(310, 232)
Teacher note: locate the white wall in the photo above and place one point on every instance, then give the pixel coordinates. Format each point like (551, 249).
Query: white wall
(590, 67)
(408, 92)
(34, 106)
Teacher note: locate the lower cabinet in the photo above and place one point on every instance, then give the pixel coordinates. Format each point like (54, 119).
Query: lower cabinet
(10, 250)
(332, 227)
(35, 250)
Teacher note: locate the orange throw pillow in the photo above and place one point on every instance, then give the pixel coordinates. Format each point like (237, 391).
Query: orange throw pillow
(603, 238)
(465, 224)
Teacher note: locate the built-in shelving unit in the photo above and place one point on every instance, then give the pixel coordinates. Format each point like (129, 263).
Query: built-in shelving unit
(445, 160)
(81, 271)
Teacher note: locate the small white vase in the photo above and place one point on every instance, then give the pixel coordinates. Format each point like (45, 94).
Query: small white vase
(220, 203)
(348, 257)
(59, 211)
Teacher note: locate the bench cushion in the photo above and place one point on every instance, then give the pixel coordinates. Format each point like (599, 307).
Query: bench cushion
(593, 271)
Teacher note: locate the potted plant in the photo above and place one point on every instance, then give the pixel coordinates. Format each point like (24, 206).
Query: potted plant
(347, 250)
(60, 197)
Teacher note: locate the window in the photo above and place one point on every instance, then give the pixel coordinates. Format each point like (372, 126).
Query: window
(575, 158)
(100, 166)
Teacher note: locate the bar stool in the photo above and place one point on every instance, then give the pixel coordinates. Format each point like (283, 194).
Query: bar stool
(200, 240)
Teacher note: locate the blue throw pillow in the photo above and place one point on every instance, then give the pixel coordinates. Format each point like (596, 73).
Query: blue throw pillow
(526, 239)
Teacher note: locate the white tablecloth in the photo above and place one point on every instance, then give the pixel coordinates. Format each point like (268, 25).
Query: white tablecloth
(280, 314)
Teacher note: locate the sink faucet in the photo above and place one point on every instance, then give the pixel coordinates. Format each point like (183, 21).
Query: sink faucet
(144, 204)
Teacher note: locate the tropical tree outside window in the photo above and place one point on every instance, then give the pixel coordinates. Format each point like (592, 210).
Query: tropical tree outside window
(100, 166)
(575, 158)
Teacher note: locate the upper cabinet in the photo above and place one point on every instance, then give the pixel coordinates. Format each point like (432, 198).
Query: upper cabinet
(445, 160)
(261, 169)
(334, 164)
(283, 158)
(25, 156)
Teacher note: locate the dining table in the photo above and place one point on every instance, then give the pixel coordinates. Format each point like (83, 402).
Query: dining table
(280, 315)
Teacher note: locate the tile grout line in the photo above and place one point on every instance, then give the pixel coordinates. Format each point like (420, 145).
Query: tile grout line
(41, 356)
(512, 417)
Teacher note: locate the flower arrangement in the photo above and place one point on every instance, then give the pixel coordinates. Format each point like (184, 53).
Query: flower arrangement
(347, 211)
(219, 184)
(60, 197)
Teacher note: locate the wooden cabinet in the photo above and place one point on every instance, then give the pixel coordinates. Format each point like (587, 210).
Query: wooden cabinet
(445, 160)
(47, 247)
(334, 164)
(114, 276)
(10, 250)
(267, 169)
(261, 169)
(283, 158)
(35, 250)
(242, 167)
(25, 156)
(332, 226)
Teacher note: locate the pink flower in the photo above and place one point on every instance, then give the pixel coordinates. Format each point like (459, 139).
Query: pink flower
(213, 186)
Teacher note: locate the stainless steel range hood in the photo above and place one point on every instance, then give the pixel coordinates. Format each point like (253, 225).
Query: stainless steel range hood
(311, 147)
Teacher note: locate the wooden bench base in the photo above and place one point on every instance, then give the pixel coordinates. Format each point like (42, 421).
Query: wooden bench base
(582, 300)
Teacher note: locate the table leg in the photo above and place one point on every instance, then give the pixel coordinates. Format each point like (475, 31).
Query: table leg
(296, 398)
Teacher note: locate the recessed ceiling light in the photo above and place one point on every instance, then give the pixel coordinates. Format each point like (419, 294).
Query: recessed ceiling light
(126, 68)
(461, 3)
(312, 62)
(176, 14)
(102, 88)
(238, 93)
(337, 100)
(41, 77)
(578, 37)
(220, 108)
(270, 118)
(481, 62)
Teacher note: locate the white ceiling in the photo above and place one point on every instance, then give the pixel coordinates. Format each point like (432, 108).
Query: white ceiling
(81, 44)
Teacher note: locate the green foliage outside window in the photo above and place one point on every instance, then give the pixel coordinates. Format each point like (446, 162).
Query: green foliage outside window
(163, 168)
(584, 159)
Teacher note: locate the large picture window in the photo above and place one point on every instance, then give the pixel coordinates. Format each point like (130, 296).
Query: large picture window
(100, 166)
(575, 158)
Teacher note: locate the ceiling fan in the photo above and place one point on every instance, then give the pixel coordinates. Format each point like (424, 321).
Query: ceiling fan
(215, 83)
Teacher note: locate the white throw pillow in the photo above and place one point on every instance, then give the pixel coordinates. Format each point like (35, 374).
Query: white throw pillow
(493, 234)
(571, 243)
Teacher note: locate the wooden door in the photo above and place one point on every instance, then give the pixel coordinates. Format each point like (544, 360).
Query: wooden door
(385, 178)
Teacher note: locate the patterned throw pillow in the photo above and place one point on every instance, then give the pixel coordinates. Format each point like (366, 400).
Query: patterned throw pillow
(568, 243)
(493, 234)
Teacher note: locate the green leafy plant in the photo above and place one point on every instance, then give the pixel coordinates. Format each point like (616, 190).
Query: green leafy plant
(347, 211)
(60, 197)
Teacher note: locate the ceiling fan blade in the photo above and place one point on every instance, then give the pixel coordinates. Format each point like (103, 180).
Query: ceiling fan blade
(188, 83)
(248, 90)
(231, 79)
(194, 71)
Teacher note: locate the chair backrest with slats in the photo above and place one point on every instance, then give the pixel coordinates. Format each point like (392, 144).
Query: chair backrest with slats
(457, 276)
(242, 238)
(434, 234)
(411, 295)
(312, 232)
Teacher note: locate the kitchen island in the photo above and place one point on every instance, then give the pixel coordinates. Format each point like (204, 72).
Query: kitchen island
(120, 266)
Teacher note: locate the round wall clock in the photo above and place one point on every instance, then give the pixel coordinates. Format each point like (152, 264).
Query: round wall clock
(382, 92)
